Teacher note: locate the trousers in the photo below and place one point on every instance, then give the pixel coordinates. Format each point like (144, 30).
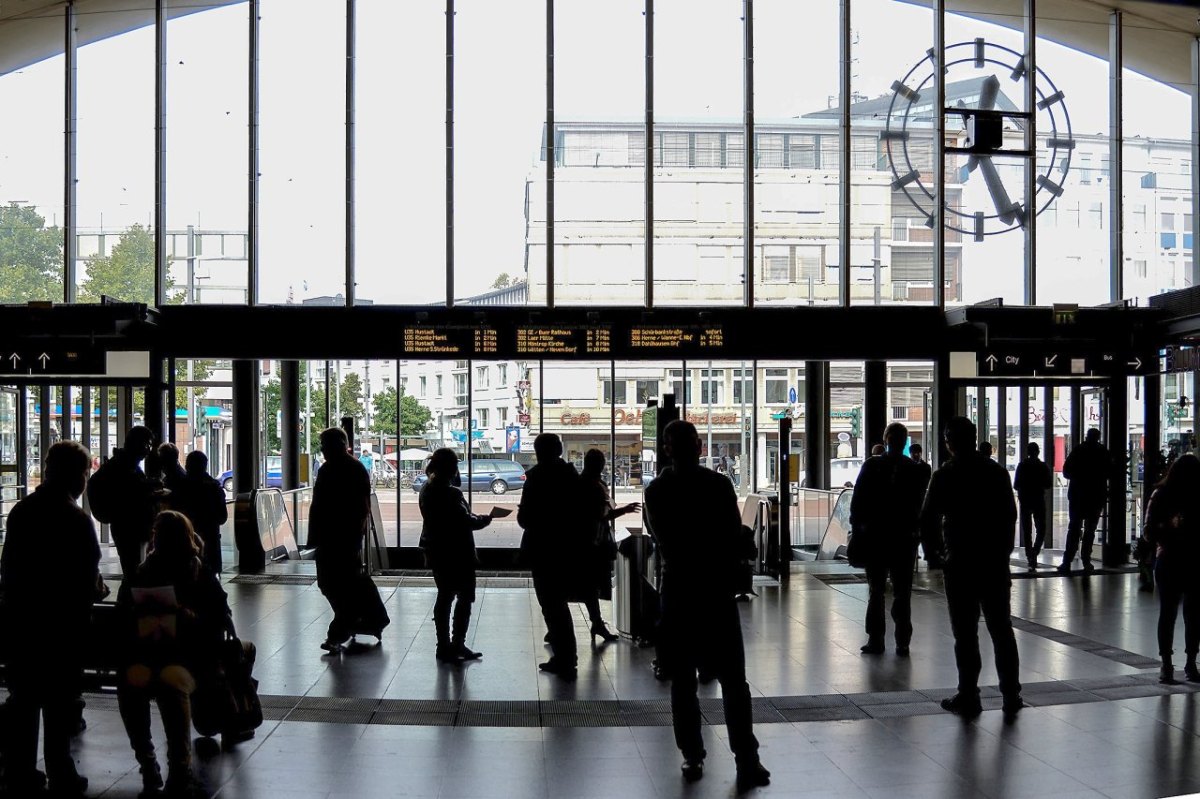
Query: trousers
(336, 575)
(967, 593)
(1033, 527)
(1174, 587)
(1082, 521)
(552, 597)
(171, 687)
(454, 588)
(41, 688)
(899, 566)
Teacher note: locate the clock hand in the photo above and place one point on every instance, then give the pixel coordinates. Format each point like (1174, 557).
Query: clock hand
(1005, 207)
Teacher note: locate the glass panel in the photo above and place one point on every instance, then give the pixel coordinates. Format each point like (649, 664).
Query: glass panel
(1072, 242)
(796, 194)
(891, 193)
(1158, 162)
(400, 215)
(116, 152)
(497, 148)
(302, 139)
(599, 178)
(207, 101)
(31, 181)
(698, 208)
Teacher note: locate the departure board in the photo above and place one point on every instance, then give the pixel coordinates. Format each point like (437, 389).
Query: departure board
(450, 341)
(550, 341)
(683, 339)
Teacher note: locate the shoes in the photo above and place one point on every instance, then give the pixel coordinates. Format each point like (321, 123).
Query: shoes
(1063, 568)
(552, 666)
(1013, 705)
(181, 785)
(962, 706)
(67, 785)
(901, 650)
(692, 768)
(447, 653)
(152, 781)
(466, 654)
(872, 648)
(1166, 675)
(600, 629)
(1191, 672)
(754, 775)
(1032, 567)
(1088, 568)
(333, 647)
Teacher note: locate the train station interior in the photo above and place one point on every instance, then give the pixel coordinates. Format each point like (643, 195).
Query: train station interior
(241, 222)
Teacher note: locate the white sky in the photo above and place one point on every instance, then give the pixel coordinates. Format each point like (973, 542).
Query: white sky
(500, 97)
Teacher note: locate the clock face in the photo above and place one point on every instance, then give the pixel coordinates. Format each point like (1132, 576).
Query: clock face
(984, 77)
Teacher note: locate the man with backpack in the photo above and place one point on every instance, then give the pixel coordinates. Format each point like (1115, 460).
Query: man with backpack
(123, 496)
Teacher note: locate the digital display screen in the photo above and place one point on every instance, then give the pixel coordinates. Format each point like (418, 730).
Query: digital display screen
(450, 341)
(551, 341)
(677, 339)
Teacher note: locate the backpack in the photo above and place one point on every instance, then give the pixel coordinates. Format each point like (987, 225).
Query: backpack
(103, 492)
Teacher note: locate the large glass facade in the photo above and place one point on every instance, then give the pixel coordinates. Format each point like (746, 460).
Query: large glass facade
(502, 207)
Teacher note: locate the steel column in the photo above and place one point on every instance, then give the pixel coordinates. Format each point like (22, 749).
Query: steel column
(1152, 463)
(245, 425)
(160, 151)
(1031, 171)
(1116, 139)
(70, 156)
(846, 61)
(1022, 422)
(648, 176)
(1049, 456)
(551, 153)
(449, 153)
(1194, 149)
(875, 410)
(252, 154)
(1002, 426)
(351, 63)
(939, 161)
(748, 161)
(45, 419)
(68, 422)
(289, 423)
(169, 401)
(85, 417)
(1116, 419)
(816, 424)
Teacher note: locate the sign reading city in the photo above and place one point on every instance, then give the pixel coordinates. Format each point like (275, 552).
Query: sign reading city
(676, 340)
(450, 341)
(1014, 363)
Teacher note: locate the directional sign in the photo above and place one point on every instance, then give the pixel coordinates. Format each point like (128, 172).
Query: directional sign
(51, 363)
(1182, 359)
(1049, 362)
(792, 395)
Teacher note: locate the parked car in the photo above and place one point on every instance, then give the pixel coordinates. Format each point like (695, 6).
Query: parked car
(841, 472)
(274, 475)
(495, 474)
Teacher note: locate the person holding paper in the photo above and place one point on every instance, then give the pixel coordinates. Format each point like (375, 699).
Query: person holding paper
(600, 511)
(448, 541)
(179, 615)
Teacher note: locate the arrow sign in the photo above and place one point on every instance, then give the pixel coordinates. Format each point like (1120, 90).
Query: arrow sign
(43, 358)
(14, 358)
(1136, 363)
(991, 362)
(1050, 360)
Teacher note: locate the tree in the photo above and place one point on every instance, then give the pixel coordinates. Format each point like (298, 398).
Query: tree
(414, 417)
(127, 272)
(503, 280)
(31, 256)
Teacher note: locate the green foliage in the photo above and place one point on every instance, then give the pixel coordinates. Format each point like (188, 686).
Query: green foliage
(127, 272)
(414, 417)
(31, 257)
(503, 280)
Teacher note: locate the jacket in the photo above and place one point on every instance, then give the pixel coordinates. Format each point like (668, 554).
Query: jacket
(1033, 477)
(202, 500)
(1087, 467)
(886, 503)
(969, 517)
(448, 527)
(337, 520)
(549, 514)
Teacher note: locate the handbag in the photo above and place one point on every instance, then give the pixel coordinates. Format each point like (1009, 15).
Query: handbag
(227, 701)
(858, 548)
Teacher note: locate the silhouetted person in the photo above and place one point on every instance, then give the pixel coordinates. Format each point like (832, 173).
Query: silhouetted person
(985, 449)
(49, 577)
(179, 616)
(693, 514)
(337, 524)
(915, 452)
(878, 450)
(552, 546)
(885, 508)
(168, 460)
(448, 540)
(201, 498)
(1173, 528)
(126, 497)
(967, 525)
(1032, 480)
(599, 512)
(1087, 468)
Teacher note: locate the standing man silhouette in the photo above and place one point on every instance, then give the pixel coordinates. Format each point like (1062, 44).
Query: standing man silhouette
(1032, 480)
(126, 497)
(967, 524)
(692, 512)
(885, 509)
(915, 451)
(553, 546)
(1087, 468)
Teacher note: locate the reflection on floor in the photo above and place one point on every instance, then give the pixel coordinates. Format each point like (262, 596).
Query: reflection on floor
(388, 721)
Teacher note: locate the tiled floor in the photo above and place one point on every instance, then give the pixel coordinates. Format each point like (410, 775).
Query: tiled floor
(1080, 740)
